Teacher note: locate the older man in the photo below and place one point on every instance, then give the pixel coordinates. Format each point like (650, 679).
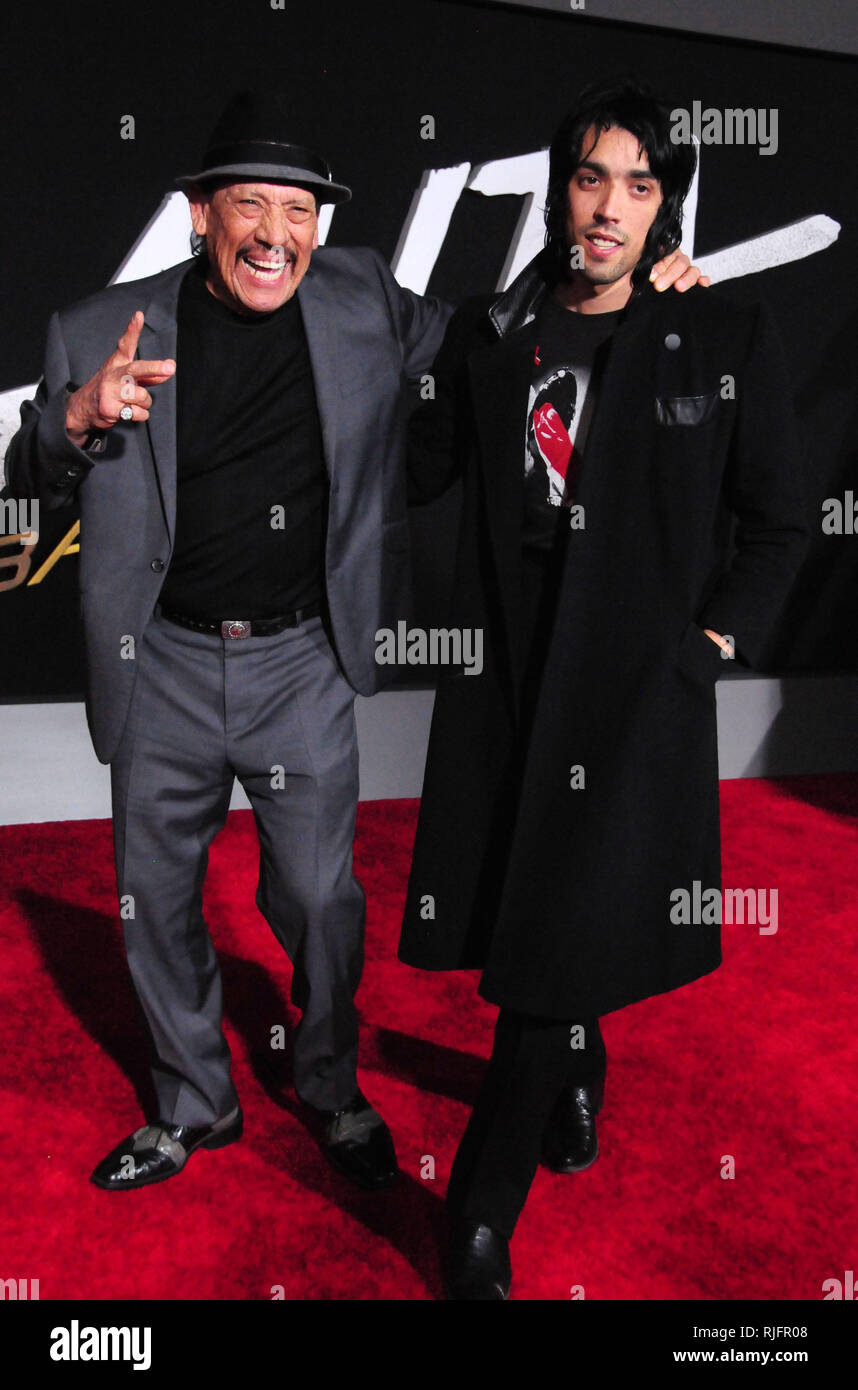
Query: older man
(238, 461)
(238, 464)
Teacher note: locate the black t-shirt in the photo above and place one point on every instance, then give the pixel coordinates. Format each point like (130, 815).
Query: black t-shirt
(567, 365)
(251, 482)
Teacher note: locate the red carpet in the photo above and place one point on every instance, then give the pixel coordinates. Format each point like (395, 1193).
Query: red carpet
(757, 1061)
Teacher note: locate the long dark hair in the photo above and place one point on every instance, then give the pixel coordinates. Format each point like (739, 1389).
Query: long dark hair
(627, 103)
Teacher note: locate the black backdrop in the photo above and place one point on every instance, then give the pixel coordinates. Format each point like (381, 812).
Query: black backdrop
(360, 78)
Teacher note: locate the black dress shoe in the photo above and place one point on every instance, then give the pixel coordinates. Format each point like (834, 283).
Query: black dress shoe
(570, 1143)
(159, 1151)
(477, 1265)
(359, 1145)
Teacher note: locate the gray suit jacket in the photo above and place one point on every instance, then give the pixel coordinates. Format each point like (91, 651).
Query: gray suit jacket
(366, 336)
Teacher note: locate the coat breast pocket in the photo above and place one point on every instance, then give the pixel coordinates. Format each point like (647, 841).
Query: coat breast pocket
(685, 411)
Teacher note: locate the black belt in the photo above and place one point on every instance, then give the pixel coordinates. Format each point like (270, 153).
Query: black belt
(236, 628)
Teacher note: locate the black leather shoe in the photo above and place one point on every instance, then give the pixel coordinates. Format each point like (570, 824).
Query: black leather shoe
(159, 1151)
(570, 1143)
(477, 1265)
(359, 1145)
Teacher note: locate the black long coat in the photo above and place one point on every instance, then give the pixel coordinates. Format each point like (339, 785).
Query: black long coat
(562, 892)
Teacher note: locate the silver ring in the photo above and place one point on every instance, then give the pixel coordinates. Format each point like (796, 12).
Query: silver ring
(126, 413)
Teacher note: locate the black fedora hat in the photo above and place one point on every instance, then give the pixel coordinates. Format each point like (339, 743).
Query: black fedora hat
(249, 141)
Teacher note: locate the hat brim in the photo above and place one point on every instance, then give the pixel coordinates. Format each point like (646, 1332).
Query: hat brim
(325, 191)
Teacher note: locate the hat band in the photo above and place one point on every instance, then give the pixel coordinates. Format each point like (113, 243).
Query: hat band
(267, 152)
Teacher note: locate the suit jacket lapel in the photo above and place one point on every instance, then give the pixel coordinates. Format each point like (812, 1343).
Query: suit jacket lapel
(319, 312)
(157, 341)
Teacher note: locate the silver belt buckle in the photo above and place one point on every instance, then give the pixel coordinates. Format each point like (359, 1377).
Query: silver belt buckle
(234, 628)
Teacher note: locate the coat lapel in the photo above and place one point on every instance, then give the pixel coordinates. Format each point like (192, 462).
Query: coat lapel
(626, 378)
(501, 376)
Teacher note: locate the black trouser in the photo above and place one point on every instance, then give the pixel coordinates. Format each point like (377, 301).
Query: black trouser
(532, 1061)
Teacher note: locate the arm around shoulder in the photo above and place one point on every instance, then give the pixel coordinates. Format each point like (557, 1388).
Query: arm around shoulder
(439, 431)
(420, 319)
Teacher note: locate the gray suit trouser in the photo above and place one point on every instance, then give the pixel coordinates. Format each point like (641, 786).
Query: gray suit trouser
(278, 714)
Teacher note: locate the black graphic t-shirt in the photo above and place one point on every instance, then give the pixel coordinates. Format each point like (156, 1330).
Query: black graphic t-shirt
(567, 364)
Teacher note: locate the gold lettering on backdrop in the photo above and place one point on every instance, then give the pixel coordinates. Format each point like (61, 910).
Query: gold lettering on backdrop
(21, 562)
(65, 547)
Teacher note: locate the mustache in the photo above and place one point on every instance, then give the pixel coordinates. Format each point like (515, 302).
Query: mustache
(274, 255)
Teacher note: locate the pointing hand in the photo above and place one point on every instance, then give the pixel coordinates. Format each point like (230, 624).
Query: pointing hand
(120, 381)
